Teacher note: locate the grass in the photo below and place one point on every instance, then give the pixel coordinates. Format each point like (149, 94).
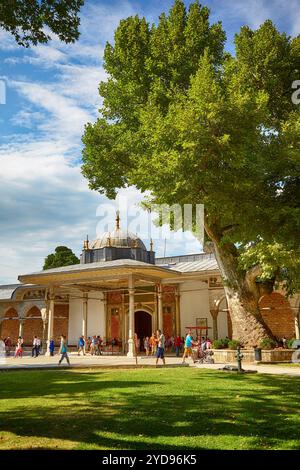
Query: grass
(283, 364)
(180, 408)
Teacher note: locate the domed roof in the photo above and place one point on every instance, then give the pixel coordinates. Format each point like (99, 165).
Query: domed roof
(118, 238)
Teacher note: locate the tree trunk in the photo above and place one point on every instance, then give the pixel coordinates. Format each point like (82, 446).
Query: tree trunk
(242, 293)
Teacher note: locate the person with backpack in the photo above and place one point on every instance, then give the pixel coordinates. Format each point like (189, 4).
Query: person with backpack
(81, 346)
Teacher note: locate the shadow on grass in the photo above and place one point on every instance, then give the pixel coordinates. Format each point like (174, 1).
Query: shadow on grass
(133, 412)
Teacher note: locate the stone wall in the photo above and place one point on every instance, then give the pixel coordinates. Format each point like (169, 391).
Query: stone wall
(227, 356)
(280, 317)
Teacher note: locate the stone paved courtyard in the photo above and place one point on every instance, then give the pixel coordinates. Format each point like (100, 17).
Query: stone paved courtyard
(88, 361)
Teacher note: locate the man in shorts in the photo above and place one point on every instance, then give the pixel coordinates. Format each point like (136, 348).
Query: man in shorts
(160, 353)
(188, 347)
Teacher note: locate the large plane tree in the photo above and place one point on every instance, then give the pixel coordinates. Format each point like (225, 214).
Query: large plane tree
(31, 21)
(190, 123)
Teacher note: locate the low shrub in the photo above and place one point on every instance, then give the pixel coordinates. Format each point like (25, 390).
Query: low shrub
(290, 343)
(268, 343)
(233, 344)
(219, 344)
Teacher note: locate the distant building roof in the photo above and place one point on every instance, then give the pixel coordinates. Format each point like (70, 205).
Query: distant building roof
(7, 291)
(189, 263)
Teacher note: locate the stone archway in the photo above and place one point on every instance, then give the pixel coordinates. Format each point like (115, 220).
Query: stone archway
(33, 325)
(142, 325)
(9, 325)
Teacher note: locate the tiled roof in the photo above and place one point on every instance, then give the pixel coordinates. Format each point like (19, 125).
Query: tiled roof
(190, 263)
(100, 264)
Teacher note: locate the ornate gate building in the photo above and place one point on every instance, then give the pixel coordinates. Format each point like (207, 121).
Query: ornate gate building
(121, 288)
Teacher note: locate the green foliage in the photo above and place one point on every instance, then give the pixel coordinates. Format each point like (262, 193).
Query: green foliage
(26, 20)
(290, 343)
(191, 124)
(274, 260)
(233, 344)
(63, 256)
(268, 343)
(220, 344)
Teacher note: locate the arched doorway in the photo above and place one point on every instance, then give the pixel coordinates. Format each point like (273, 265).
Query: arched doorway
(10, 325)
(33, 325)
(142, 325)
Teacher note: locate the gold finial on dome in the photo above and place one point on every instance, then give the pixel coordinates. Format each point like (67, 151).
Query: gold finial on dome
(151, 244)
(86, 245)
(117, 220)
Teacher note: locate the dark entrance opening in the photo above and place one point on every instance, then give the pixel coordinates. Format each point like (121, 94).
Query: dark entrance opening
(142, 326)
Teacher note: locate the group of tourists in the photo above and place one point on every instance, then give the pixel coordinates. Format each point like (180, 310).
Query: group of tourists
(92, 345)
(155, 345)
(175, 344)
(149, 344)
(8, 345)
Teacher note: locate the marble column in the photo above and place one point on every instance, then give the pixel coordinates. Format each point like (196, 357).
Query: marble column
(160, 307)
(85, 315)
(50, 321)
(43, 311)
(131, 318)
(177, 306)
(21, 328)
(214, 313)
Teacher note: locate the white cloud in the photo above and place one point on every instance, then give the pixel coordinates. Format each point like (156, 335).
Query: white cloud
(66, 119)
(45, 201)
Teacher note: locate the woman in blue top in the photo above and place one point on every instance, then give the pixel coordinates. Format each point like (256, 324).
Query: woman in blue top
(64, 350)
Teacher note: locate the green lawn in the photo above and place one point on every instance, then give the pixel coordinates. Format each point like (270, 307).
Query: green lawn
(180, 408)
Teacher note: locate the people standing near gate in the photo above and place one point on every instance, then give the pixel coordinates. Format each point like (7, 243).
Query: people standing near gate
(100, 344)
(177, 345)
(34, 347)
(153, 344)
(8, 345)
(188, 347)
(147, 345)
(2, 349)
(38, 346)
(51, 347)
(19, 347)
(160, 354)
(63, 350)
(94, 345)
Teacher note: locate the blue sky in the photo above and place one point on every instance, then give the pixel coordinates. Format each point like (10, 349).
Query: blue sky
(51, 92)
